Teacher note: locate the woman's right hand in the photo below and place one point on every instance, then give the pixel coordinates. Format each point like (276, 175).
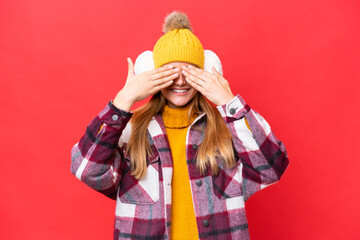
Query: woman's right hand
(138, 87)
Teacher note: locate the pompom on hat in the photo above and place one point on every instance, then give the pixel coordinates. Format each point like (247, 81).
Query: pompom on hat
(178, 44)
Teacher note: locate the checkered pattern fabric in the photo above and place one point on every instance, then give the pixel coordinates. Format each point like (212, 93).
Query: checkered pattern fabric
(143, 208)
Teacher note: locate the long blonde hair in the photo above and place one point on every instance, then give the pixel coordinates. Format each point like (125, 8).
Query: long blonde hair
(217, 141)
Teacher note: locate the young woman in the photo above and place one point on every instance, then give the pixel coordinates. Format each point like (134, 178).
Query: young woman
(179, 167)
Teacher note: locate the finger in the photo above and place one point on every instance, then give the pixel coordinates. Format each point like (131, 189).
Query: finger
(160, 69)
(164, 74)
(220, 77)
(196, 80)
(200, 71)
(164, 85)
(130, 67)
(195, 85)
(195, 76)
(165, 79)
(218, 74)
(215, 71)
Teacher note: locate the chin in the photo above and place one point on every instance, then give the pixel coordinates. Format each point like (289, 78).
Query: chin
(179, 99)
(180, 104)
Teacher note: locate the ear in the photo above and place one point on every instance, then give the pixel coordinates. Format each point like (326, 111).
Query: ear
(212, 60)
(144, 62)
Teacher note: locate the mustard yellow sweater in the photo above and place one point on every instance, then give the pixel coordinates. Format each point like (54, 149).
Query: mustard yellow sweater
(183, 221)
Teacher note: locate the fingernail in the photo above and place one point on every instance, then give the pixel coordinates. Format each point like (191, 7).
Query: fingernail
(189, 66)
(170, 66)
(183, 72)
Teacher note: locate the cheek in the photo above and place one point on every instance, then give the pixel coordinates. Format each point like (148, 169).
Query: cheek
(194, 91)
(164, 91)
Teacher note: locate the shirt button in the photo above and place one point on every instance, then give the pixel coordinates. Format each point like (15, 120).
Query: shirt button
(232, 111)
(195, 146)
(198, 182)
(206, 223)
(115, 117)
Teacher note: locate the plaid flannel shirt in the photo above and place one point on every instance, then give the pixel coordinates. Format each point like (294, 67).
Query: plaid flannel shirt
(143, 208)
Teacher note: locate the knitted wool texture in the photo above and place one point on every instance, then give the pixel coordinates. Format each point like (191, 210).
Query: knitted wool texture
(183, 220)
(178, 45)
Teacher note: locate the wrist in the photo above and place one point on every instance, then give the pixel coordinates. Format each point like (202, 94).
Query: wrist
(225, 100)
(123, 102)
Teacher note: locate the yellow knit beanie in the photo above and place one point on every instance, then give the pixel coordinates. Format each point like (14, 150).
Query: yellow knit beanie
(178, 44)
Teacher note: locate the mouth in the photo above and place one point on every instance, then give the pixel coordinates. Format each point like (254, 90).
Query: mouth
(180, 90)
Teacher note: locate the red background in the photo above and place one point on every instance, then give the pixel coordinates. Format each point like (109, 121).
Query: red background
(295, 62)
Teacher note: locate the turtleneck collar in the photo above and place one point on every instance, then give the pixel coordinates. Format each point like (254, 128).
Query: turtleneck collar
(177, 117)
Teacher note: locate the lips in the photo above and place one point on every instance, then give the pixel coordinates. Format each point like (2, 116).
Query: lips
(180, 90)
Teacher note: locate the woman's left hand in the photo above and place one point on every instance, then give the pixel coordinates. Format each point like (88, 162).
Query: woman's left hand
(212, 85)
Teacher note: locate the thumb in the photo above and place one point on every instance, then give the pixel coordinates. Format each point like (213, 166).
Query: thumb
(215, 72)
(130, 67)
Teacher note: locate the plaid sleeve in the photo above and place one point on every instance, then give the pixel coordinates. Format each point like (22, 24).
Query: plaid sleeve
(263, 157)
(96, 158)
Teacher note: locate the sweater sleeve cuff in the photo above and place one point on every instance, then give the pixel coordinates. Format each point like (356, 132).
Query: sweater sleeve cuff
(235, 108)
(112, 115)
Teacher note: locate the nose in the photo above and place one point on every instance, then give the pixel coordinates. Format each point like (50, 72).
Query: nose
(180, 81)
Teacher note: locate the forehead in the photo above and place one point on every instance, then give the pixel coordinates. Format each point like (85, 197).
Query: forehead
(178, 64)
